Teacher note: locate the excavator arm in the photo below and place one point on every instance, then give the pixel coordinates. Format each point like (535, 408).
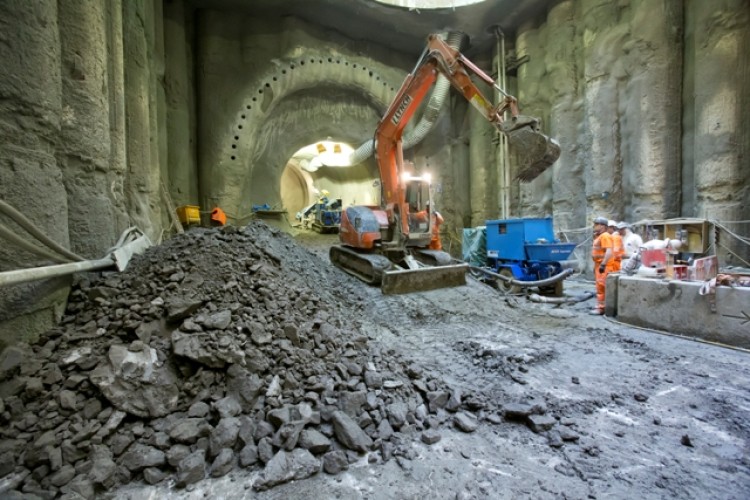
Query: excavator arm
(537, 151)
(397, 245)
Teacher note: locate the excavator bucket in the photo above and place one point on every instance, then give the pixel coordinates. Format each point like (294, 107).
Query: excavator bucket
(536, 152)
(423, 279)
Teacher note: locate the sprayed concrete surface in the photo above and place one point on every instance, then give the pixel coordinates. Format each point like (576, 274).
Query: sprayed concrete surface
(567, 405)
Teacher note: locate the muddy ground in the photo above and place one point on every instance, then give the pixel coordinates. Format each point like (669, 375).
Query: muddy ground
(637, 414)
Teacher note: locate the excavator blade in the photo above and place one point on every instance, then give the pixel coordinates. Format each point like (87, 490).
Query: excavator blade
(536, 152)
(423, 279)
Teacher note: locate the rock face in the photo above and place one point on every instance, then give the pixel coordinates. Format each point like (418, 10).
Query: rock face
(210, 352)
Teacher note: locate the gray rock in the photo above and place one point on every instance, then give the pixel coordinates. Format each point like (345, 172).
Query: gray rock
(286, 466)
(153, 475)
(430, 437)
(247, 430)
(248, 455)
(135, 383)
(265, 450)
(179, 308)
(466, 422)
(188, 430)
(335, 462)
(223, 463)
(224, 435)
(67, 400)
(385, 431)
(349, 433)
(140, 456)
(63, 476)
(191, 469)
(352, 402)
(437, 400)
(227, 407)
(244, 386)
(219, 320)
(176, 453)
(517, 411)
(454, 402)
(373, 379)
(199, 409)
(540, 423)
(314, 441)
(397, 414)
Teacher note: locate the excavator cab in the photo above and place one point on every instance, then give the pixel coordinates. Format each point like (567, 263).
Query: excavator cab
(418, 199)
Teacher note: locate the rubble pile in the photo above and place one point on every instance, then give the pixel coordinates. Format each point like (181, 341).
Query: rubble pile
(220, 349)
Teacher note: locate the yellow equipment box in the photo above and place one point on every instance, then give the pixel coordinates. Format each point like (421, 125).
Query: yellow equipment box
(189, 214)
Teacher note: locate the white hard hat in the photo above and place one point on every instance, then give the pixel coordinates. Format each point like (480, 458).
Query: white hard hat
(622, 225)
(612, 223)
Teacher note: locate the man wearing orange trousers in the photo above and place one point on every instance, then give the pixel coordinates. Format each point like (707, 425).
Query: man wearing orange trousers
(602, 253)
(617, 246)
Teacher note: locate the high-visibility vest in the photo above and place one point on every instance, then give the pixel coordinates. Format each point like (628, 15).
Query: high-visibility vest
(601, 244)
(618, 249)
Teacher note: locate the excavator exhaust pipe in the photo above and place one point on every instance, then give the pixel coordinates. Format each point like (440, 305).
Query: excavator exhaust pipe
(536, 152)
(423, 279)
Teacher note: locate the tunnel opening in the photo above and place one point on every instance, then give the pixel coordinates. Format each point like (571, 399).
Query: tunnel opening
(322, 171)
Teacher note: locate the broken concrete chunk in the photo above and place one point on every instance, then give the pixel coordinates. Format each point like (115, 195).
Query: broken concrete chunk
(349, 433)
(285, 467)
(541, 423)
(466, 422)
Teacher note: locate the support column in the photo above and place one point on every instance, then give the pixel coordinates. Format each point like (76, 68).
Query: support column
(568, 181)
(85, 145)
(180, 105)
(722, 134)
(30, 177)
(650, 121)
(142, 191)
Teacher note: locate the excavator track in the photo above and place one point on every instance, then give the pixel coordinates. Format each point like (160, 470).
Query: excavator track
(367, 267)
(376, 269)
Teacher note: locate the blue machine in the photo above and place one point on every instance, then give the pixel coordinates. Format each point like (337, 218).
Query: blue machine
(526, 250)
(327, 216)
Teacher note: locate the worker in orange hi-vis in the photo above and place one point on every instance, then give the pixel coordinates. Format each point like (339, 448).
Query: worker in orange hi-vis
(602, 253)
(437, 220)
(218, 217)
(618, 247)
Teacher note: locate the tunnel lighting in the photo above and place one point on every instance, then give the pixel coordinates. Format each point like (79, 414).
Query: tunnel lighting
(429, 4)
(425, 177)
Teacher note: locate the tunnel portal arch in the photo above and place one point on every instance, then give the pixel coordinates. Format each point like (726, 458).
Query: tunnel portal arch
(300, 102)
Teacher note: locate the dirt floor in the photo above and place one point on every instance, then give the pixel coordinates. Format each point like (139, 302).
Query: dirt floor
(634, 413)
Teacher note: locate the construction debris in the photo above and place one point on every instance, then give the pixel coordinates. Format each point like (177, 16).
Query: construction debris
(210, 352)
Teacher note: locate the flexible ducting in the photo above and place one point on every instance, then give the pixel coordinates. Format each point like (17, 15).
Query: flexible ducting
(439, 94)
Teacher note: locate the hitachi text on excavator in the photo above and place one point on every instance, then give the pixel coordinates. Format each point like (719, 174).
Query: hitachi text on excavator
(394, 245)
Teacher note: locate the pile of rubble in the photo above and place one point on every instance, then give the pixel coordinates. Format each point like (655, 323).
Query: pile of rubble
(221, 348)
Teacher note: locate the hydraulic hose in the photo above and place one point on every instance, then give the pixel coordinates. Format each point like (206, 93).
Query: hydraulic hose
(35, 249)
(545, 282)
(29, 226)
(534, 297)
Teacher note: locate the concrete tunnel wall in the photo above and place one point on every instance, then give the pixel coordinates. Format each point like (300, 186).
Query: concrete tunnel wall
(112, 107)
(311, 90)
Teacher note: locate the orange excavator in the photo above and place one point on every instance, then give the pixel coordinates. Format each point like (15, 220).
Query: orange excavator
(389, 245)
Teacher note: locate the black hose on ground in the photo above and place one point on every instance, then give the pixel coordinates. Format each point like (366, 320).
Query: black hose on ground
(534, 297)
(545, 282)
